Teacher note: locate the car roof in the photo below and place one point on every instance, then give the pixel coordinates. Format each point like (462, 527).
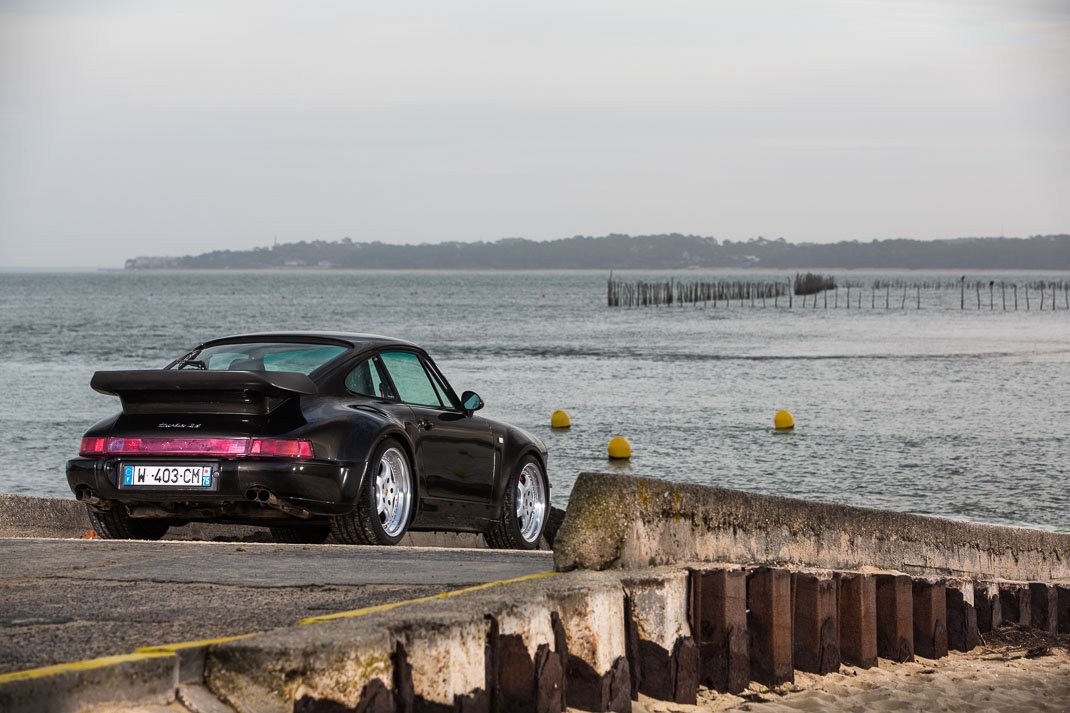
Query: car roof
(356, 340)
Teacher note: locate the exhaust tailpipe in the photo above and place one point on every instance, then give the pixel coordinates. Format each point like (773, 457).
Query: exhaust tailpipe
(268, 498)
(85, 495)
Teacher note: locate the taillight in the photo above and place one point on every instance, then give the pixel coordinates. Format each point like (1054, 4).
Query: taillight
(213, 447)
(164, 446)
(92, 446)
(280, 448)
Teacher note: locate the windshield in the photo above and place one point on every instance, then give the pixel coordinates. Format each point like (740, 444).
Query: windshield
(298, 357)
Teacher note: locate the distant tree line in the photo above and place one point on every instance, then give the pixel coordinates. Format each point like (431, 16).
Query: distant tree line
(670, 251)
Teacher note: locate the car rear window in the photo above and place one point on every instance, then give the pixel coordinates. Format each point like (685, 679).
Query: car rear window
(298, 357)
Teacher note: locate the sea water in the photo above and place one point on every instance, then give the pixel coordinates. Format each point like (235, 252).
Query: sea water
(943, 411)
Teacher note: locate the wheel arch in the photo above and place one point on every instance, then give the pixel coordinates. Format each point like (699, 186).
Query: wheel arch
(402, 438)
(509, 467)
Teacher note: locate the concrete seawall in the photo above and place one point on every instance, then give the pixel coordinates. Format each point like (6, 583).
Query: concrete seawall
(630, 522)
(705, 587)
(586, 640)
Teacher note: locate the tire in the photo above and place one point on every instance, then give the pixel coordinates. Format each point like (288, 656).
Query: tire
(553, 524)
(307, 535)
(527, 491)
(386, 502)
(116, 524)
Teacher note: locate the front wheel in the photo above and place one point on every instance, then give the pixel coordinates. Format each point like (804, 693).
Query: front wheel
(523, 511)
(116, 524)
(386, 501)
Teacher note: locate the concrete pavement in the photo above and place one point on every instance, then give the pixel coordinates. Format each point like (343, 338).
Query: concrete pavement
(64, 600)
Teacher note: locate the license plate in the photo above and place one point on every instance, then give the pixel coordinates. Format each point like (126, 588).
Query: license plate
(166, 476)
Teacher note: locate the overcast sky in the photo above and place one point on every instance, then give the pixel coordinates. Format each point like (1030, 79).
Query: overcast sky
(160, 128)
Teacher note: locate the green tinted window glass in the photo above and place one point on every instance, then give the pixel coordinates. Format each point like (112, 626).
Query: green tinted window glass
(366, 380)
(303, 361)
(439, 389)
(410, 379)
(301, 358)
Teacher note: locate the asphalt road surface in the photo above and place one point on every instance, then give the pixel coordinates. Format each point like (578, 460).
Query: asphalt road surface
(66, 600)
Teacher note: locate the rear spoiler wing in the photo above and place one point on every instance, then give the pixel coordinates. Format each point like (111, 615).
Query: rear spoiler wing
(198, 391)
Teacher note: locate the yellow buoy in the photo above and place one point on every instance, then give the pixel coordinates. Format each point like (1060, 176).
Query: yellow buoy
(620, 448)
(560, 419)
(783, 421)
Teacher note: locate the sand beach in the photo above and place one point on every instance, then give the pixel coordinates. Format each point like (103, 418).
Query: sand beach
(1016, 670)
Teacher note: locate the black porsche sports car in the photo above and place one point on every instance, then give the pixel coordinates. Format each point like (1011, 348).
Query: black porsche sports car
(311, 434)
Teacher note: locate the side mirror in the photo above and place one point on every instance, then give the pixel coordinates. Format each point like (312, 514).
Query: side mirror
(470, 401)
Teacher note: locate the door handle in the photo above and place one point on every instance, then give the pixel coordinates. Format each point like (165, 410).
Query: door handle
(424, 425)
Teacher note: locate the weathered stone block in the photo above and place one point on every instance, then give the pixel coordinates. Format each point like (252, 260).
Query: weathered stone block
(658, 605)
(1043, 607)
(930, 619)
(442, 665)
(627, 522)
(895, 617)
(769, 622)
(524, 669)
(347, 664)
(815, 627)
(719, 625)
(597, 676)
(857, 597)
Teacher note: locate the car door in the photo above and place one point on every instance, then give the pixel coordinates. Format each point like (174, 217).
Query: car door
(456, 451)
(368, 378)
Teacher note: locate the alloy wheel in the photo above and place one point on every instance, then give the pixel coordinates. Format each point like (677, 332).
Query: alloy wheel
(530, 502)
(393, 492)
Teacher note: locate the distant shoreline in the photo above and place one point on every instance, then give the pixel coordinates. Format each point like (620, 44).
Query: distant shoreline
(596, 271)
(532, 270)
(643, 252)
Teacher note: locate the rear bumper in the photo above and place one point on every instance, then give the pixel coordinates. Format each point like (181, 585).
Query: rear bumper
(321, 488)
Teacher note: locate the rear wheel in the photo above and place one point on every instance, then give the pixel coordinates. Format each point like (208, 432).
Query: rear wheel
(385, 504)
(116, 524)
(524, 510)
(301, 535)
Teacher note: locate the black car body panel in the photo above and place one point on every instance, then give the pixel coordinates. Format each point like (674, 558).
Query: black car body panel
(462, 461)
(154, 391)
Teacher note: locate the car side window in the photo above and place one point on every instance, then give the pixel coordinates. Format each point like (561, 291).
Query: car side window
(412, 382)
(366, 380)
(439, 388)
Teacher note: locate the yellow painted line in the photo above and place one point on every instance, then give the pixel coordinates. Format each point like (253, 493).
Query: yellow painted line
(172, 648)
(444, 595)
(150, 652)
(76, 666)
